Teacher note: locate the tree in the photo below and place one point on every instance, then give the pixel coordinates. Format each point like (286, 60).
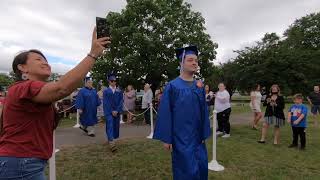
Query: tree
(5, 80)
(54, 77)
(291, 61)
(144, 37)
(225, 73)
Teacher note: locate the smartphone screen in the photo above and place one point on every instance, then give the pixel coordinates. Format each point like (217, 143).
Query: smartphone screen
(102, 27)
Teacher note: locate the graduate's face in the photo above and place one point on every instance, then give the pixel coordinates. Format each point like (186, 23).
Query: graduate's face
(89, 84)
(190, 63)
(113, 83)
(316, 88)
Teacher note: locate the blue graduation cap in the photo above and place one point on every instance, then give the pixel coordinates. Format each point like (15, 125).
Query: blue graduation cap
(182, 52)
(111, 77)
(86, 79)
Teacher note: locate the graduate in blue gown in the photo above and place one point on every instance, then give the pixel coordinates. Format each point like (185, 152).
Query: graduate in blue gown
(112, 107)
(87, 102)
(183, 120)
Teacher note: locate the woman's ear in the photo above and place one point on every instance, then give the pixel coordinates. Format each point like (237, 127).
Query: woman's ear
(22, 68)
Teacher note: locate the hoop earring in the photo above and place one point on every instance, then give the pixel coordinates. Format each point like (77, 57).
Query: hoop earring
(24, 76)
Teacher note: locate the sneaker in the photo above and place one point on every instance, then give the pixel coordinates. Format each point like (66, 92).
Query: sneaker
(113, 146)
(292, 146)
(83, 129)
(219, 133)
(92, 135)
(261, 142)
(226, 136)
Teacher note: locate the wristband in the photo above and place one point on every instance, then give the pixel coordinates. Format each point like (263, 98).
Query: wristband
(92, 56)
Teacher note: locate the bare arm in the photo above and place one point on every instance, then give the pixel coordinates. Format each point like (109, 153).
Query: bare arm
(289, 117)
(253, 98)
(54, 91)
(299, 119)
(309, 100)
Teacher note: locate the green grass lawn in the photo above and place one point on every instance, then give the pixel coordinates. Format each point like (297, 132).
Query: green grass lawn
(241, 155)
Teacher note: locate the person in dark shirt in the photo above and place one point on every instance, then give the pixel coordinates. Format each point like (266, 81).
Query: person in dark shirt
(274, 114)
(314, 100)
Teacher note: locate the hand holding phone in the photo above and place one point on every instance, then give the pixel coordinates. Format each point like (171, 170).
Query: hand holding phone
(102, 28)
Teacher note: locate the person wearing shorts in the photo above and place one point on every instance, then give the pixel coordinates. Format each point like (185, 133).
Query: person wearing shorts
(314, 101)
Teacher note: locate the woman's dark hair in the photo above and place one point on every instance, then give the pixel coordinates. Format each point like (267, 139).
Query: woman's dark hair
(254, 87)
(22, 58)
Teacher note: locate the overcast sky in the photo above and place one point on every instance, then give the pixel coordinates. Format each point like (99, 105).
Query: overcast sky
(62, 29)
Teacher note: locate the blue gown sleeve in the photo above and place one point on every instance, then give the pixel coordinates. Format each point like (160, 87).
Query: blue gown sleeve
(163, 128)
(106, 104)
(80, 100)
(206, 120)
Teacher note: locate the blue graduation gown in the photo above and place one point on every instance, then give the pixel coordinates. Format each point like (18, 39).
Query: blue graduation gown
(112, 102)
(183, 121)
(88, 100)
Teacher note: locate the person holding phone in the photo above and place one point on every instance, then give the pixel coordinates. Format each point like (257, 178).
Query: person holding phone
(274, 114)
(26, 139)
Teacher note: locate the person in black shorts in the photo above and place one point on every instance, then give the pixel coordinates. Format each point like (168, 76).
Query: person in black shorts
(314, 100)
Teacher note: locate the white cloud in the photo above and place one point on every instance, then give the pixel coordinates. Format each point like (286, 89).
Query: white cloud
(234, 23)
(60, 67)
(58, 28)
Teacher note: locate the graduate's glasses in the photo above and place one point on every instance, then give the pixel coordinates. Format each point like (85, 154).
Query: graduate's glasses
(112, 81)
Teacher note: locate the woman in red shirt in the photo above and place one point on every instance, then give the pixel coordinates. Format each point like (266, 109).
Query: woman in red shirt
(28, 114)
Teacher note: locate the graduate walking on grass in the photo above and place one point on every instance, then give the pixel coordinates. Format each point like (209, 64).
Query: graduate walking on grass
(87, 102)
(112, 108)
(183, 121)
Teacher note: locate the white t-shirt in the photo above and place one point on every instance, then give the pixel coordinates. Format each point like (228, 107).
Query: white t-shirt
(222, 101)
(257, 99)
(147, 99)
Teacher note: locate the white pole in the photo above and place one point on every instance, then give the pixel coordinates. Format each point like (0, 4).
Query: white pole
(78, 124)
(151, 120)
(214, 165)
(121, 119)
(52, 160)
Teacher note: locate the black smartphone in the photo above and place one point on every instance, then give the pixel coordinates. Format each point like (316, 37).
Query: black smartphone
(102, 27)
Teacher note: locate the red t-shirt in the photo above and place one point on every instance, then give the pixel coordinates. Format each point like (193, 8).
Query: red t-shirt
(2, 100)
(27, 126)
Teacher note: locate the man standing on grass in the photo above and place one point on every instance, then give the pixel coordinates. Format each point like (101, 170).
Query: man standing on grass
(87, 102)
(314, 100)
(183, 121)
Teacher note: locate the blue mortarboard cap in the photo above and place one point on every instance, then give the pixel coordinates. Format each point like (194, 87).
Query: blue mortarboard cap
(111, 77)
(182, 52)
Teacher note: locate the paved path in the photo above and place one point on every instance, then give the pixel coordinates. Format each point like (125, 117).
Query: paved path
(74, 136)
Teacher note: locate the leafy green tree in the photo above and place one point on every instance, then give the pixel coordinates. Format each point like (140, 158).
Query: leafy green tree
(5, 80)
(144, 37)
